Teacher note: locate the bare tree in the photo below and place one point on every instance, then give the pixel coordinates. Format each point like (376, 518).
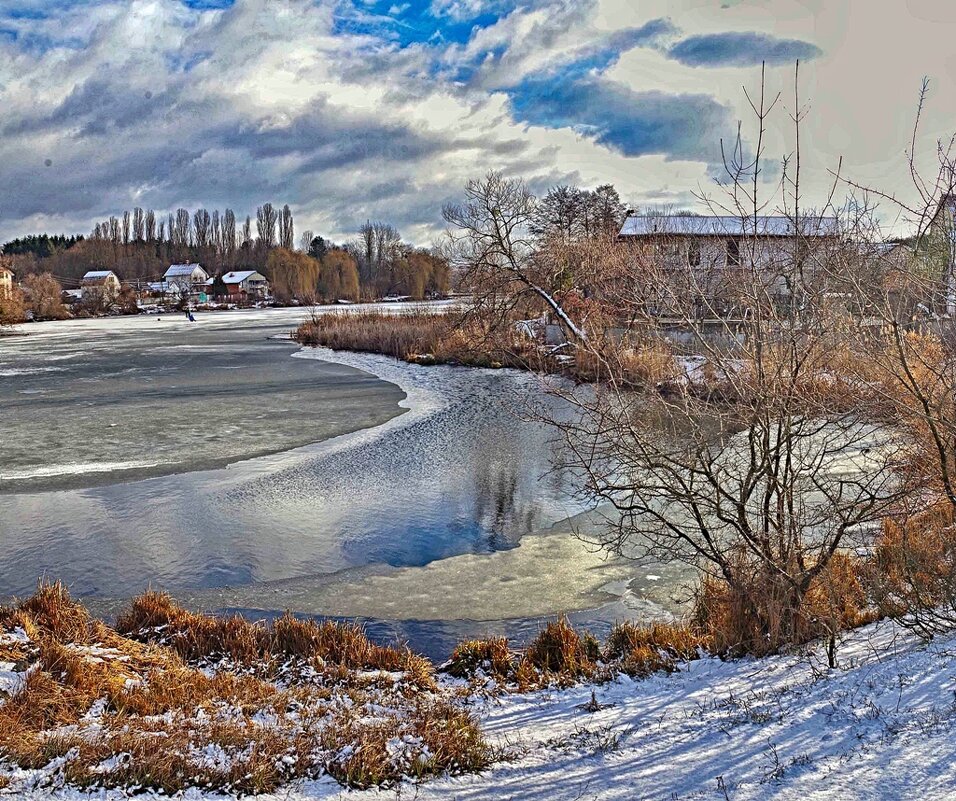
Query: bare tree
(149, 226)
(305, 241)
(286, 229)
(113, 224)
(215, 235)
(229, 236)
(202, 226)
(752, 462)
(266, 219)
(492, 243)
(180, 232)
(909, 350)
(139, 225)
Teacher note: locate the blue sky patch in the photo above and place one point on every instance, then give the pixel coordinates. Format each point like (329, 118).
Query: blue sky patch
(406, 24)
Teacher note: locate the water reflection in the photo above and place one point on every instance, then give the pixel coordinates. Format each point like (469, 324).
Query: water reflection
(461, 472)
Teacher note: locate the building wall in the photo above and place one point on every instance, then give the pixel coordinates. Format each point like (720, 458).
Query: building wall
(108, 289)
(710, 268)
(6, 283)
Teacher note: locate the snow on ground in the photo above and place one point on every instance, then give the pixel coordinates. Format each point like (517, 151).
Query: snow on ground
(880, 726)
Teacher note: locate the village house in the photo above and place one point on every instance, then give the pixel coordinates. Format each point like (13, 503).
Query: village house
(100, 286)
(240, 286)
(704, 254)
(186, 280)
(6, 281)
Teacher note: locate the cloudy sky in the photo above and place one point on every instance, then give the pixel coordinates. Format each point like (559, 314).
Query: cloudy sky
(382, 109)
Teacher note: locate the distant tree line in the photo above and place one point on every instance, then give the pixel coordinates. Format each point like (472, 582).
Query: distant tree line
(40, 245)
(139, 245)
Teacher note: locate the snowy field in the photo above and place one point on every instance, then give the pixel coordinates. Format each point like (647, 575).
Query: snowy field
(881, 726)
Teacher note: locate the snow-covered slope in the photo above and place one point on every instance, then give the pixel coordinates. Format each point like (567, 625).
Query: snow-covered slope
(881, 726)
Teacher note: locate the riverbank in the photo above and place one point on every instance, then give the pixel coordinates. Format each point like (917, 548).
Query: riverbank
(426, 338)
(296, 711)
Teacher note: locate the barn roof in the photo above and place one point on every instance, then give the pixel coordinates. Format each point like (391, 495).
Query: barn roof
(725, 225)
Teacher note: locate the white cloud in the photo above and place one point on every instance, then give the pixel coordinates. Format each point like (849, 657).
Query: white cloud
(153, 103)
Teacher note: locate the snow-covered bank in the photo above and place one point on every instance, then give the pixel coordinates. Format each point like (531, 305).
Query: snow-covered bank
(879, 727)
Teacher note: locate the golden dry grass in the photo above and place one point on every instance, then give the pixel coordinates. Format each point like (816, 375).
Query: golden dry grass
(912, 575)
(326, 646)
(492, 657)
(173, 699)
(115, 711)
(424, 338)
(642, 650)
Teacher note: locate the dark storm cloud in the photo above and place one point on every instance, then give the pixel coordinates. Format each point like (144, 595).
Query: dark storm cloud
(744, 49)
(634, 123)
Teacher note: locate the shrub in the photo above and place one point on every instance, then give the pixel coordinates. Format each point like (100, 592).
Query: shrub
(766, 614)
(913, 573)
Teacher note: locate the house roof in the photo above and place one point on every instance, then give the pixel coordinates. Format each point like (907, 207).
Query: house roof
(235, 277)
(98, 275)
(6, 270)
(178, 270)
(725, 225)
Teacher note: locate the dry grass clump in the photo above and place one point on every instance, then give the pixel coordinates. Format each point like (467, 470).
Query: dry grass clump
(105, 710)
(647, 364)
(559, 653)
(643, 650)
(760, 619)
(435, 737)
(402, 336)
(491, 657)
(329, 647)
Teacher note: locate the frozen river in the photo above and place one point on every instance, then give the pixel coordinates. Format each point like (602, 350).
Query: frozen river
(222, 464)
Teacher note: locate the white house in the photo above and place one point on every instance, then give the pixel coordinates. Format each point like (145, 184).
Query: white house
(100, 285)
(703, 253)
(186, 279)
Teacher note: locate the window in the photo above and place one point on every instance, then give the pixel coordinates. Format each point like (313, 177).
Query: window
(733, 251)
(693, 254)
